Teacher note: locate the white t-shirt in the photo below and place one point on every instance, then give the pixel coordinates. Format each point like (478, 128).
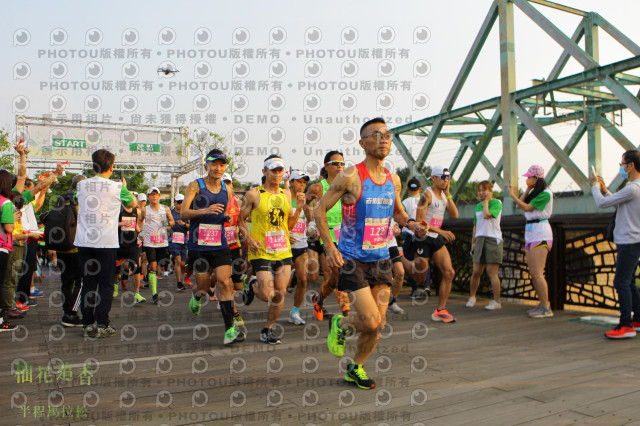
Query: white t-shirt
(299, 231)
(98, 212)
(411, 207)
(539, 231)
(155, 228)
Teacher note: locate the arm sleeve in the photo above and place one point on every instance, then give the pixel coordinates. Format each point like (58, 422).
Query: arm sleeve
(495, 207)
(126, 196)
(541, 200)
(625, 194)
(6, 212)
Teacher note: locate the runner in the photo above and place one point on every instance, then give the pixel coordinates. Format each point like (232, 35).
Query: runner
(238, 261)
(369, 199)
(433, 203)
(157, 221)
(269, 247)
(298, 181)
(398, 269)
(411, 207)
(204, 206)
(128, 256)
(178, 244)
(334, 164)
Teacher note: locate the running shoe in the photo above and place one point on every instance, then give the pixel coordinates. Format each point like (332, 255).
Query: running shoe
(138, 298)
(22, 306)
(115, 289)
(123, 284)
(493, 305)
(471, 302)
(318, 310)
(14, 314)
(107, 331)
(233, 335)
(356, 374)
(155, 298)
(32, 302)
(187, 280)
(248, 290)
(636, 325)
(295, 318)
(6, 326)
(194, 305)
(621, 332)
(336, 337)
(267, 336)
(36, 293)
(90, 331)
(212, 295)
(237, 319)
(181, 286)
(415, 294)
(396, 309)
(541, 312)
(442, 315)
(71, 321)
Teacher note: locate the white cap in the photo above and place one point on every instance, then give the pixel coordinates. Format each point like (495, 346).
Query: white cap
(274, 163)
(227, 177)
(142, 197)
(153, 188)
(438, 171)
(179, 197)
(298, 174)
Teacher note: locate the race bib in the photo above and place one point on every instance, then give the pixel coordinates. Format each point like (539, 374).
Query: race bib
(390, 235)
(209, 235)
(129, 223)
(436, 221)
(276, 241)
(300, 227)
(157, 239)
(231, 234)
(336, 232)
(177, 238)
(376, 231)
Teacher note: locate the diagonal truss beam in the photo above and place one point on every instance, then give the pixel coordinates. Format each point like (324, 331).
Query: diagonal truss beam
(568, 149)
(546, 140)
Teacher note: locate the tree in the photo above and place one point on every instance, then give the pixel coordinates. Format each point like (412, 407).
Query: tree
(6, 159)
(200, 143)
(134, 175)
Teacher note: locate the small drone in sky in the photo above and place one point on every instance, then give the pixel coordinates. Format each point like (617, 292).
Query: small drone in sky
(167, 70)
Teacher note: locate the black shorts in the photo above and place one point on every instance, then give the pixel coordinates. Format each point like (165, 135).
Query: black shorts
(315, 246)
(202, 262)
(394, 254)
(260, 265)
(238, 265)
(355, 275)
(131, 255)
(298, 252)
(157, 254)
(426, 247)
(178, 250)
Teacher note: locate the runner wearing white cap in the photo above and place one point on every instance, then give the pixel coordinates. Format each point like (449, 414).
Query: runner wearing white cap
(178, 243)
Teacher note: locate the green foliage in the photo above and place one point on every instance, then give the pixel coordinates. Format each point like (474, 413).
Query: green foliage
(202, 144)
(60, 188)
(134, 175)
(6, 150)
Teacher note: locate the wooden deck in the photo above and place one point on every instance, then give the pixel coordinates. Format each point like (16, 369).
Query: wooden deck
(487, 368)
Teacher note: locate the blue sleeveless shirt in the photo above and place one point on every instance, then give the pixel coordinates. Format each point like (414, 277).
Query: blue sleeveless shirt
(365, 223)
(207, 232)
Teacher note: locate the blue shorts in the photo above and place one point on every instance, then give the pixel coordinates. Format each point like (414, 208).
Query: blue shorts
(178, 250)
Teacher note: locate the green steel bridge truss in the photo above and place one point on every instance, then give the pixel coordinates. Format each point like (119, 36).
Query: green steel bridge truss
(594, 97)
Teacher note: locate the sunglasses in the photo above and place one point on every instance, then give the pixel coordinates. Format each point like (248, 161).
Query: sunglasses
(179, 202)
(336, 163)
(444, 177)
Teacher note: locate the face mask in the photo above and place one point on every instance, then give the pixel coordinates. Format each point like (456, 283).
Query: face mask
(623, 174)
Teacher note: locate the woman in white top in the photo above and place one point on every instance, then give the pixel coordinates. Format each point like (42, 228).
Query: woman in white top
(486, 245)
(537, 203)
(626, 235)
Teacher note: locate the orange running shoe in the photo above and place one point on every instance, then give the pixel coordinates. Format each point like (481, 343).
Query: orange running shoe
(442, 315)
(317, 308)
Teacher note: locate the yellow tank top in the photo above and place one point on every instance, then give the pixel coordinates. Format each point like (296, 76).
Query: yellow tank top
(269, 226)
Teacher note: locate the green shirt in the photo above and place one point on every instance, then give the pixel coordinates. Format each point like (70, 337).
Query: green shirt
(540, 201)
(26, 195)
(495, 207)
(6, 213)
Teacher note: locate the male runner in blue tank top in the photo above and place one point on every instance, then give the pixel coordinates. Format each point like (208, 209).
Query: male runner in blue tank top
(370, 198)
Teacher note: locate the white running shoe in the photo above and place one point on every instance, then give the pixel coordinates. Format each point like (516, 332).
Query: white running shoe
(493, 305)
(471, 302)
(296, 318)
(396, 309)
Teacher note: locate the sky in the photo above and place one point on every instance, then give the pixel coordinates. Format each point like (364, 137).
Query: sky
(293, 78)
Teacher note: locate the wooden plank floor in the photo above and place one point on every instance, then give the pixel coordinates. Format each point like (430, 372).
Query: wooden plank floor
(167, 367)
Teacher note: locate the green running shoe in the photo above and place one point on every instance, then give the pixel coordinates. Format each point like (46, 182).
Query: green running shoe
(194, 305)
(115, 289)
(233, 335)
(336, 337)
(356, 374)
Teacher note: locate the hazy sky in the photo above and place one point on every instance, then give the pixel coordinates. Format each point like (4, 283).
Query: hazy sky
(258, 72)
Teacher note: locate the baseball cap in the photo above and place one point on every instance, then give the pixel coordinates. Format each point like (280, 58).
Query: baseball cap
(153, 188)
(535, 171)
(179, 197)
(142, 197)
(217, 157)
(226, 177)
(439, 171)
(298, 174)
(413, 184)
(274, 163)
